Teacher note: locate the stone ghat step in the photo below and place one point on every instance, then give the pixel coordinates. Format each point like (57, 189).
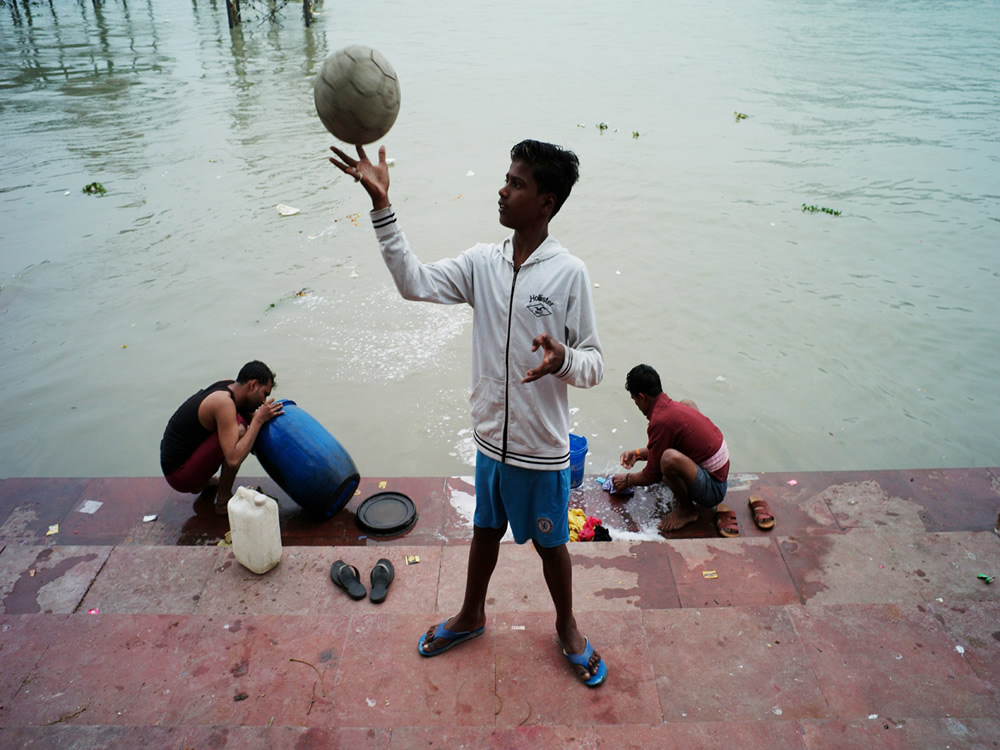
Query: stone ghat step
(858, 639)
(829, 569)
(791, 670)
(805, 734)
(144, 510)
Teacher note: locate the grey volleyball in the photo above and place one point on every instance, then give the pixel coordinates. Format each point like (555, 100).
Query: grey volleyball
(357, 94)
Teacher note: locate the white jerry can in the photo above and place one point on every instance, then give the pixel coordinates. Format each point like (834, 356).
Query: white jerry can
(253, 521)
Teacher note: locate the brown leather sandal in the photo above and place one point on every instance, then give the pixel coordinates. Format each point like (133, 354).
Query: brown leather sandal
(762, 515)
(725, 521)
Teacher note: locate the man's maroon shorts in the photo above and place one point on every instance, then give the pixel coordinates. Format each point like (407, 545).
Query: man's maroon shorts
(194, 474)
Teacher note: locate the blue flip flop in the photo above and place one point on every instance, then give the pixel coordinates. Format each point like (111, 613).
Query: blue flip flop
(453, 638)
(583, 661)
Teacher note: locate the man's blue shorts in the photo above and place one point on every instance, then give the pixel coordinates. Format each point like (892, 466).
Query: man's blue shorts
(534, 503)
(707, 491)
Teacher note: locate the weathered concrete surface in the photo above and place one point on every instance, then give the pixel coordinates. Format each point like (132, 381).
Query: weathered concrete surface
(857, 622)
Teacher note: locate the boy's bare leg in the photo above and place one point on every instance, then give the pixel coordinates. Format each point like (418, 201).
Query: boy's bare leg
(557, 566)
(483, 554)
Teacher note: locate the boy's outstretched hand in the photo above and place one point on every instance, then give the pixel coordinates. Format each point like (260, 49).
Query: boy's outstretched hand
(551, 362)
(373, 177)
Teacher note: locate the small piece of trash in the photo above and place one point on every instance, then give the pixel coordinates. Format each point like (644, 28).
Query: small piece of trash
(363, 536)
(986, 578)
(412, 559)
(53, 529)
(792, 482)
(872, 716)
(517, 627)
(354, 274)
(286, 210)
(370, 702)
(94, 611)
(240, 697)
(776, 711)
(709, 574)
(959, 649)
(227, 540)
(382, 484)
(596, 285)
(90, 506)
(470, 173)
(390, 162)
(150, 517)
(31, 573)
(720, 378)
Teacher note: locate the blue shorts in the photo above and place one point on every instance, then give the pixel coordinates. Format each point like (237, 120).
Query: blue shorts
(534, 503)
(707, 491)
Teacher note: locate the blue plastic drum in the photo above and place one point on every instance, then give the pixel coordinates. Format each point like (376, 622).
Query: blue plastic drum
(307, 462)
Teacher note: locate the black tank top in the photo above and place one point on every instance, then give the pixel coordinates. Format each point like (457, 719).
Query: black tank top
(184, 432)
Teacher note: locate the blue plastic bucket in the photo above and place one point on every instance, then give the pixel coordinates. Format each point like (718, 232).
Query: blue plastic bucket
(577, 458)
(307, 462)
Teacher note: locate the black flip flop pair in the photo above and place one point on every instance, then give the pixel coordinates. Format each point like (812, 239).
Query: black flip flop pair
(347, 577)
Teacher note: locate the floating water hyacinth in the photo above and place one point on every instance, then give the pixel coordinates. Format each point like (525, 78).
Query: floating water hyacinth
(94, 188)
(819, 209)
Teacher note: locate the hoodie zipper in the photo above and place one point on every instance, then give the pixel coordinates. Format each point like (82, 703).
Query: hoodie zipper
(506, 369)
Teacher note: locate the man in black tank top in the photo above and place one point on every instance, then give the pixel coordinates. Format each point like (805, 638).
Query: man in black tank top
(216, 428)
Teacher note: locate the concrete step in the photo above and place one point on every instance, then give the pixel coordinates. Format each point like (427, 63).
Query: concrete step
(859, 621)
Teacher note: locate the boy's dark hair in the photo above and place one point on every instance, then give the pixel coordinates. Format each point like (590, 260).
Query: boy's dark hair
(643, 379)
(555, 169)
(258, 371)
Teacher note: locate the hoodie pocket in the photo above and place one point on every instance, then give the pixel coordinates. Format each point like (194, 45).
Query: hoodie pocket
(488, 407)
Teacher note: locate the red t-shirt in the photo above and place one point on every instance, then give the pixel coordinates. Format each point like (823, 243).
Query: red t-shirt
(678, 426)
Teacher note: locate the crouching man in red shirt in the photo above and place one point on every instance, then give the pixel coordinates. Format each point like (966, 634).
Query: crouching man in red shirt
(685, 450)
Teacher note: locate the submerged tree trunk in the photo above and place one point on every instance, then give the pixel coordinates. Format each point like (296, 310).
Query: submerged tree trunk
(233, 12)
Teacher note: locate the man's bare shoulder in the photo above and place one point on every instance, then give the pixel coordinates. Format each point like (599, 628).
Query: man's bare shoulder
(220, 398)
(215, 406)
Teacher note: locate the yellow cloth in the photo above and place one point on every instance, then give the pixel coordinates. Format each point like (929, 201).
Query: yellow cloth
(577, 519)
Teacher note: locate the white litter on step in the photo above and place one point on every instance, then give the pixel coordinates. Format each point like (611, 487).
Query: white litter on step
(90, 506)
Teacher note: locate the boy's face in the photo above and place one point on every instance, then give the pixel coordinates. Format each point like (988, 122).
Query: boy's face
(521, 205)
